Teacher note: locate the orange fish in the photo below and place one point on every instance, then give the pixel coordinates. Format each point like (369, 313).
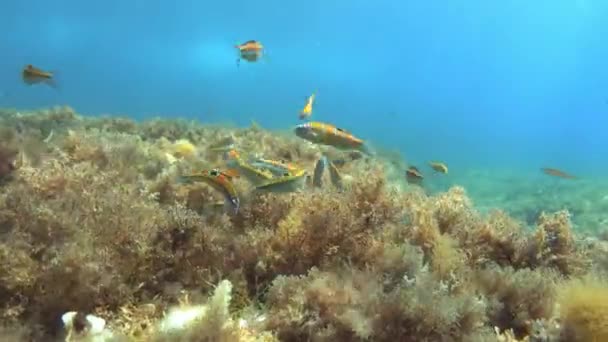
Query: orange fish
(32, 75)
(556, 173)
(307, 111)
(251, 51)
(220, 181)
(413, 175)
(326, 134)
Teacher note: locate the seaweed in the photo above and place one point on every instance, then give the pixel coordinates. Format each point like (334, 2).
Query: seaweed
(93, 220)
(584, 309)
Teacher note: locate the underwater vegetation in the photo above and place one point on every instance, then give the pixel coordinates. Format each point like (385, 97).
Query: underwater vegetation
(100, 239)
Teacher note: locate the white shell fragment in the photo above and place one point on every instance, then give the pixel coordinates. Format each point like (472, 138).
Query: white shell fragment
(95, 327)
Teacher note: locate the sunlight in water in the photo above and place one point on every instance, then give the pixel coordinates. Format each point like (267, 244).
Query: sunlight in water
(58, 34)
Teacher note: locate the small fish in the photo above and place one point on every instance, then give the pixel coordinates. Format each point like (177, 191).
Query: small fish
(317, 178)
(32, 75)
(439, 167)
(307, 110)
(327, 134)
(278, 168)
(251, 51)
(220, 181)
(413, 176)
(252, 174)
(292, 183)
(335, 176)
(223, 145)
(557, 173)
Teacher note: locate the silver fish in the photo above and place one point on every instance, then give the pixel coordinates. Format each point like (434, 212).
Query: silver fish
(317, 178)
(336, 178)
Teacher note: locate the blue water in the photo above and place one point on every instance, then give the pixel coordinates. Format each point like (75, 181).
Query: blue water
(500, 84)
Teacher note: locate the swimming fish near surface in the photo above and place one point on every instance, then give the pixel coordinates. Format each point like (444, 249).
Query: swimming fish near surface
(327, 134)
(556, 173)
(253, 174)
(413, 176)
(32, 75)
(306, 112)
(439, 167)
(292, 183)
(251, 51)
(220, 181)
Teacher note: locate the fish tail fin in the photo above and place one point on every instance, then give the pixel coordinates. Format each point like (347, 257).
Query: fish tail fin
(231, 205)
(53, 80)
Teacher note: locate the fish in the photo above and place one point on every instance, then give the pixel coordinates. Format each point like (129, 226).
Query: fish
(413, 176)
(251, 51)
(335, 176)
(317, 178)
(32, 75)
(439, 167)
(278, 168)
(557, 173)
(327, 134)
(292, 183)
(306, 112)
(223, 145)
(220, 181)
(252, 174)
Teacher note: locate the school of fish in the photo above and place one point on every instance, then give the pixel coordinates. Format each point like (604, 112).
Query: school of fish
(279, 176)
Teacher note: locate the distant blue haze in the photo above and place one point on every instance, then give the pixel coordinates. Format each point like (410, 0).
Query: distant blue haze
(513, 84)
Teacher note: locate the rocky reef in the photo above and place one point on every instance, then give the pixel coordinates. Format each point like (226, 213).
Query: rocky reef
(99, 241)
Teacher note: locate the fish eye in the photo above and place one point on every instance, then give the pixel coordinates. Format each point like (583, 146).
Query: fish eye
(286, 174)
(214, 172)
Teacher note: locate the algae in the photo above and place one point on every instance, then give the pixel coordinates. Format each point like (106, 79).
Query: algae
(94, 221)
